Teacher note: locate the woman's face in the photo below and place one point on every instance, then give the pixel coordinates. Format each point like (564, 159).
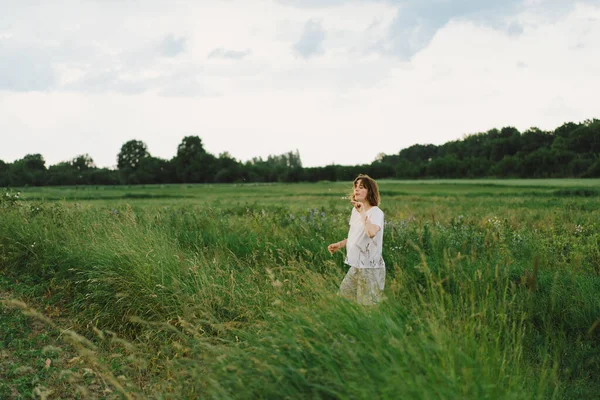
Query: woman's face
(360, 192)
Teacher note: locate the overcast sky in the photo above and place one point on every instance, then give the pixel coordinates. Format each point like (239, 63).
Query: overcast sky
(339, 80)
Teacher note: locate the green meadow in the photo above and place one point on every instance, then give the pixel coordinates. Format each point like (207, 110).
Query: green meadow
(227, 291)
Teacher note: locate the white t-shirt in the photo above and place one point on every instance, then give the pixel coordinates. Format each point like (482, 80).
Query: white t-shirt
(361, 250)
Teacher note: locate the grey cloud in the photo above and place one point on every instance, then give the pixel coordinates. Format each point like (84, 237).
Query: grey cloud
(558, 106)
(417, 21)
(172, 46)
(515, 29)
(25, 68)
(192, 89)
(34, 65)
(311, 41)
(558, 8)
(578, 46)
(185, 84)
(228, 54)
(107, 81)
(312, 3)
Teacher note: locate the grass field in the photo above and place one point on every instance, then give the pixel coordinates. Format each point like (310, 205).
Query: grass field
(228, 291)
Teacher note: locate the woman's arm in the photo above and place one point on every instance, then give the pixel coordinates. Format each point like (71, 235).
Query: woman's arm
(333, 247)
(370, 228)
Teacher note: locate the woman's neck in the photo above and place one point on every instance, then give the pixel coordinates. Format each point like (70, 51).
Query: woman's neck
(366, 205)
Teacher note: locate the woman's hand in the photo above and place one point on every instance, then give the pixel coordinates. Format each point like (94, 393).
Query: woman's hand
(360, 207)
(333, 247)
(370, 229)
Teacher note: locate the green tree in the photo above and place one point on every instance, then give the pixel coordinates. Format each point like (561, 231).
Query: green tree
(103, 176)
(4, 174)
(406, 169)
(508, 167)
(419, 153)
(539, 164)
(477, 167)
(594, 170)
(565, 129)
(153, 170)
(129, 160)
(506, 143)
(228, 169)
(131, 155)
(30, 170)
(534, 139)
(445, 167)
(63, 174)
(83, 162)
(379, 170)
(586, 138)
(192, 163)
(34, 162)
(579, 166)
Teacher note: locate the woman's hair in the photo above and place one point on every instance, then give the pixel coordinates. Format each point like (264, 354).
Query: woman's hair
(369, 183)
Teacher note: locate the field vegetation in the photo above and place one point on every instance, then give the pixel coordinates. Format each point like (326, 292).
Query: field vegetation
(228, 291)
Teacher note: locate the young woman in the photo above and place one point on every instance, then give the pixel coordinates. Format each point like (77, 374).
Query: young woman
(365, 279)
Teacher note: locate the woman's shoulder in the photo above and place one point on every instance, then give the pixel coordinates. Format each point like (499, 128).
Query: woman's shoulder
(375, 210)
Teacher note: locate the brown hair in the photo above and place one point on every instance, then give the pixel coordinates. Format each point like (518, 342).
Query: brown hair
(369, 183)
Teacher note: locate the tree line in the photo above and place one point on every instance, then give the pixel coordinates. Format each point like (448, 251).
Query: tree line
(570, 151)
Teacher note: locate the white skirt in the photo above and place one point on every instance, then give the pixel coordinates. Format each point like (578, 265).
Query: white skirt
(363, 285)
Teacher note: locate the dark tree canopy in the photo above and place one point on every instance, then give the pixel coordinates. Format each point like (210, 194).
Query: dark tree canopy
(192, 163)
(83, 162)
(131, 155)
(571, 150)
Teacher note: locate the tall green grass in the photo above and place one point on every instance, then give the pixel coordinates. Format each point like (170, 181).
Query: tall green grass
(486, 297)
